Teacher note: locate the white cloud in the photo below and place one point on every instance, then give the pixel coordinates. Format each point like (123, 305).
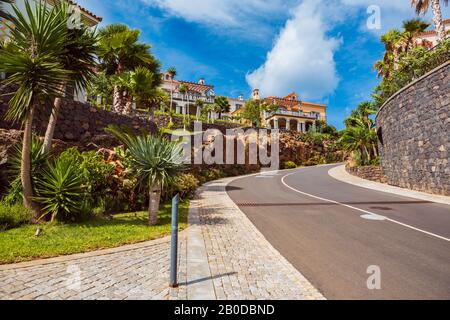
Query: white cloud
(302, 58)
(234, 13)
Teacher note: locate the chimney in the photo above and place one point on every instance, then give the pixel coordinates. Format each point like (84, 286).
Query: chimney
(256, 95)
(201, 81)
(241, 98)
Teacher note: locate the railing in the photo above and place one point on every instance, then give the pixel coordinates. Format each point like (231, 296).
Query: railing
(192, 98)
(311, 115)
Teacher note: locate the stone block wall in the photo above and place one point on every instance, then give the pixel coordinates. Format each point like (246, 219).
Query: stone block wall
(77, 121)
(414, 131)
(372, 173)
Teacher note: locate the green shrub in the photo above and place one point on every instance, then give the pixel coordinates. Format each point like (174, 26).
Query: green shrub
(59, 189)
(13, 216)
(289, 165)
(185, 184)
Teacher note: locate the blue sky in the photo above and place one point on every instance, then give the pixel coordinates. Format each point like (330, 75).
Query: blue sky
(323, 50)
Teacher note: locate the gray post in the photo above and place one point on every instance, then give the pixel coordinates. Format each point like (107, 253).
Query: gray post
(174, 244)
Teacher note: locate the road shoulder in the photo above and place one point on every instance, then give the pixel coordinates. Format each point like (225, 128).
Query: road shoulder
(339, 173)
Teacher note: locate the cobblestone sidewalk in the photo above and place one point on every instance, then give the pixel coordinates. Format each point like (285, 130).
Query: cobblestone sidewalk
(243, 265)
(136, 272)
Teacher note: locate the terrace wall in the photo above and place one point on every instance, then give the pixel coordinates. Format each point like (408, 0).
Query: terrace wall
(414, 131)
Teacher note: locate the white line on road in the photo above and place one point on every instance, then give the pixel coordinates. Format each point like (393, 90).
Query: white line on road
(358, 209)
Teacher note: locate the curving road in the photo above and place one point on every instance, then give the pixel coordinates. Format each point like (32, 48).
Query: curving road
(332, 232)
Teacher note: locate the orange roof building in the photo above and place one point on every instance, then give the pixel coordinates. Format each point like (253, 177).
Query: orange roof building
(290, 113)
(429, 38)
(187, 102)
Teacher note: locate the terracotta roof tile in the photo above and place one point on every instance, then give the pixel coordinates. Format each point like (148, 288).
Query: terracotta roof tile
(99, 19)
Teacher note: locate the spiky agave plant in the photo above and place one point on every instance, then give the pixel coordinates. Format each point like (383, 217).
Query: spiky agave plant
(59, 188)
(156, 161)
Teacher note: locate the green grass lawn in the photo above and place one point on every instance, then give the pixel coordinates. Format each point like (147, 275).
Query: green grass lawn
(20, 244)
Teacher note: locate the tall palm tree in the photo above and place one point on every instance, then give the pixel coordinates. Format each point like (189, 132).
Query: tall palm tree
(156, 160)
(78, 57)
(391, 41)
(422, 7)
(183, 89)
(3, 13)
(32, 60)
(120, 51)
(172, 73)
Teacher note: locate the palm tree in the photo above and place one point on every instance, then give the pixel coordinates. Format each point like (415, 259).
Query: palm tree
(362, 113)
(142, 86)
(223, 104)
(183, 89)
(199, 104)
(3, 13)
(120, 51)
(156, 161)
(422, 7)
(172, 73)
(78, 57)
(360, 138)
(32, 60)
(391, 42)
(411, 28)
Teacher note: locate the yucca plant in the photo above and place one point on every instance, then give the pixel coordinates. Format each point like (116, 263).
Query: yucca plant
(77, 57)
(156, 161)
(31, 61)
(59, 189)
(3, 13)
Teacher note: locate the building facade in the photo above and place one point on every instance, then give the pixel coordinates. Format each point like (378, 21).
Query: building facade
(429, 38)
(290, 113)
(188, 102)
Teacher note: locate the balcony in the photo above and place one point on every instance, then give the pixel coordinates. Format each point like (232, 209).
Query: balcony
(192, 97)
(310, 115)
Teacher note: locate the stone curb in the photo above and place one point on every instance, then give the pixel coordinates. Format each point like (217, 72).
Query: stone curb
(339, 173)
(199, 279)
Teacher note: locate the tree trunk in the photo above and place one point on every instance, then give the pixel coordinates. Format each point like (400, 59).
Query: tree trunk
(25, 170)
(128, 104)
(171, 94)
(153, 208)
(151, 111)
(49, 133)
(437, 19)
(117, 103)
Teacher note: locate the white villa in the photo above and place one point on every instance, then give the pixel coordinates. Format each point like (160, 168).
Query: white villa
(429, 38)
(187, 103)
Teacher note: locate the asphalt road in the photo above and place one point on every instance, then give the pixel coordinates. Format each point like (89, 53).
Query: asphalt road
(316, 223)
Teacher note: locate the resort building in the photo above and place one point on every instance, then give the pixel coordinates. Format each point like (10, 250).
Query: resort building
(429, 38)
(85, 16)
(189, 102)
(290, 113)
(235, 104)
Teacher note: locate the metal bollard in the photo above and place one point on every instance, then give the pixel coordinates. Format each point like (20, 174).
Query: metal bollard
(174, 244)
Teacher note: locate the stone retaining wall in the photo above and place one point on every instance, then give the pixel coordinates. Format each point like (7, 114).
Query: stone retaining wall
(372, 173)
(414, 131)
(77, 121)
